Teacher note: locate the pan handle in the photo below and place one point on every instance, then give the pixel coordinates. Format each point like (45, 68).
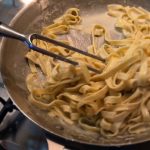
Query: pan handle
(6, 31)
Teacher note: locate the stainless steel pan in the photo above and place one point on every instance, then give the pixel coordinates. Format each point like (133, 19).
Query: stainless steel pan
(14, 67)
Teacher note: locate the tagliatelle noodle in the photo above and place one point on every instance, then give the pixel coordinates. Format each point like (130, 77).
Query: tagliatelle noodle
(110, 103)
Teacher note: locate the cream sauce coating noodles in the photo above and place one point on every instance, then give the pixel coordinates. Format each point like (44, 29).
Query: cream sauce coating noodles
(114, 102)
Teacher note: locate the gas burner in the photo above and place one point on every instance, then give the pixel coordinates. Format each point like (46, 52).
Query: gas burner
(17, 132)
(23, 134)
(7, 107)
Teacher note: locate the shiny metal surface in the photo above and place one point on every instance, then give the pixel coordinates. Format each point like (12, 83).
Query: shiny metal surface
(7, 31)
(14, 67)
(8, 9)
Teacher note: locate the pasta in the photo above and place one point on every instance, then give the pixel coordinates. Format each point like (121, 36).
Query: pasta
(116, 101)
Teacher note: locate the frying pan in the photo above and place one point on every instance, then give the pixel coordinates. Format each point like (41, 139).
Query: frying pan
(14, 67)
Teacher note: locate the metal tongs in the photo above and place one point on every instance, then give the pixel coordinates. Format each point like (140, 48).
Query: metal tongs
(7, 31)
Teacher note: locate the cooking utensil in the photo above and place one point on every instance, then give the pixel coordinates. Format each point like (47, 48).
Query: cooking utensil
(6, 31)
(14, 67)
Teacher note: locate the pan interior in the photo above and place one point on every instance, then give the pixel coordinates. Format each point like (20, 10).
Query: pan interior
(14, 67)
